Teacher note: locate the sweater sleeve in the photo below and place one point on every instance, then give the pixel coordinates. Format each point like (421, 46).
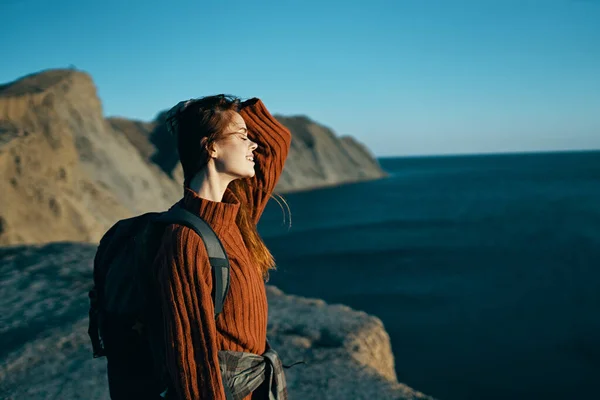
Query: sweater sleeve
(274, 142)
(185, 285)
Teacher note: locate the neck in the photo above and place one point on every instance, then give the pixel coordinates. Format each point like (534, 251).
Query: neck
(209, 184)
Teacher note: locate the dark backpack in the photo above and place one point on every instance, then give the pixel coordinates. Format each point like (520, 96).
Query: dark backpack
(125, 319)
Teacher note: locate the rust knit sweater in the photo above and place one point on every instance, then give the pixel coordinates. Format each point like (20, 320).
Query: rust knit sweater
(193, 336)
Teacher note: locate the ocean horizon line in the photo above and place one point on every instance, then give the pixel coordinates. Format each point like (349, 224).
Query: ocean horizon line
(491, 153)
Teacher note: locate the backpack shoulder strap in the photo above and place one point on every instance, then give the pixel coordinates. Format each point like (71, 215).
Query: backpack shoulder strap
(216, 253)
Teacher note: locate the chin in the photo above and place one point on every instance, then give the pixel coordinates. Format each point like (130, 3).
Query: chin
(247, 174)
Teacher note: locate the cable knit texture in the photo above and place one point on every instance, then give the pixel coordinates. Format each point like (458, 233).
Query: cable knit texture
(193, 336)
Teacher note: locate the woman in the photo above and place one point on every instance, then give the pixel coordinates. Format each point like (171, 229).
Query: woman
(232, 155)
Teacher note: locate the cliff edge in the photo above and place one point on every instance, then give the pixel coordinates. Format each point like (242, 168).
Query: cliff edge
(46, 352)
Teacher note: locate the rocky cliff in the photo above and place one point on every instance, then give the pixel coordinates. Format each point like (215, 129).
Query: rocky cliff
(68, 173)
(46, 354)
(317, 156)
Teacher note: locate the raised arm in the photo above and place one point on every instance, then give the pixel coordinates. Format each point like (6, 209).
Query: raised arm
(274, 142)
(185, 284)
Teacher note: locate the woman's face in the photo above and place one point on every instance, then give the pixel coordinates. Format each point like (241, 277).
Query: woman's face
(233, 155)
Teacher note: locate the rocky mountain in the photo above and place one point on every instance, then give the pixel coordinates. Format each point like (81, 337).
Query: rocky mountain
(46, 353)
(68, 173)
(317, 156)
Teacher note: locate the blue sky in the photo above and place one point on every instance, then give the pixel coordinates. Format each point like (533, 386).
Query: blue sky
(403, 77)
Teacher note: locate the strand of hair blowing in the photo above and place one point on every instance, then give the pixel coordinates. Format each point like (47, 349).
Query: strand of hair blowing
(259, 252)
(198, 126)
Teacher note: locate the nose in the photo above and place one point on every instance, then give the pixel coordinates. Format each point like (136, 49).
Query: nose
(253, 146)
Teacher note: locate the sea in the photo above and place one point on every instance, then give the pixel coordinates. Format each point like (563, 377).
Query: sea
(484, 269)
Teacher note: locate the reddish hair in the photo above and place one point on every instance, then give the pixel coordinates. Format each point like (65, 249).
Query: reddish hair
(199, 125)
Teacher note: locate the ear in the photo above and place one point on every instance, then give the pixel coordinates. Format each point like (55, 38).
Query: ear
(212, 150)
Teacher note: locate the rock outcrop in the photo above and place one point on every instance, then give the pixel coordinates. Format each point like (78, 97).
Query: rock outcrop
(317, 156)
(348, 353)
(45, 351)
(68, 173)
